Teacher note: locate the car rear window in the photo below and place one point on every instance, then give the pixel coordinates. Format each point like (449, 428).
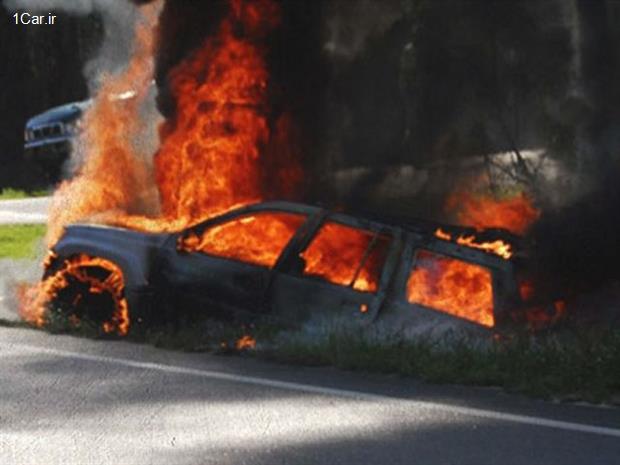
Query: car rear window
(346, 256)
(453, 286)
(257, 238)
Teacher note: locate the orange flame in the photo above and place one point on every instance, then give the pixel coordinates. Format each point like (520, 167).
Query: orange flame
(336, 253)
(114, 179)
(258, 238)
(441, 234)
(112, 182)
(540, 316)
(498, 247)
(516, 214)
(453, 286)
(212, 153)
(245, 342)
(214, 148)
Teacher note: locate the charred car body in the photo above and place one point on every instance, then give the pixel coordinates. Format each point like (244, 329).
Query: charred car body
(290, 261)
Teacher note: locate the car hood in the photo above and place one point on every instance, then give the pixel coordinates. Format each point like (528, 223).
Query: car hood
(112, 234)
(61, 114)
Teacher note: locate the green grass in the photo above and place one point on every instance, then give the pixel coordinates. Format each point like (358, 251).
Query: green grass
(21, 240)
(565, 365)
(11, 194)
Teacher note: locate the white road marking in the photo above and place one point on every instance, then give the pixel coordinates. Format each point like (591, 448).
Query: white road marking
(11, 217)
(344, 393)
(27, 211)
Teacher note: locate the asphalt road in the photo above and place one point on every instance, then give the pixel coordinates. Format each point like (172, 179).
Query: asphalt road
(66, 400)
(31, 210)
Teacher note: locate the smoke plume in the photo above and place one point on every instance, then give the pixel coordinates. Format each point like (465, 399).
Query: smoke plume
(349, 25)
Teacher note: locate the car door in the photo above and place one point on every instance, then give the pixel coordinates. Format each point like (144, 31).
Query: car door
(230, 262)
(342, 268)
(438, 281)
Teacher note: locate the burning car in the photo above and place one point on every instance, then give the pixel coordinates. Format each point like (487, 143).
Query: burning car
(287, 260)
(224, 143)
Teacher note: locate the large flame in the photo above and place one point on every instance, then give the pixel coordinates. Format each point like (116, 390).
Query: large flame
(214, 151)
(114, 178)
(453, 286)
(112, 182)
(516, 213)
(214, 148)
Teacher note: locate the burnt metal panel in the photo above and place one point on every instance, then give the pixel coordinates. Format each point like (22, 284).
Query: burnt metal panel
(134, 252)
(298, 298)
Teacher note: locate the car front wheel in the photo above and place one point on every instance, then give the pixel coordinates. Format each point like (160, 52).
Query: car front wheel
(84, 289)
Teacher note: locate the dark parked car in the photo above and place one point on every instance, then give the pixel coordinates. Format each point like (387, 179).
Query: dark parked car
(288, 260)
(48, 137)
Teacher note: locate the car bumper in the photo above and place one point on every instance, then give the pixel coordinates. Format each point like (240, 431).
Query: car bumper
(48, 151)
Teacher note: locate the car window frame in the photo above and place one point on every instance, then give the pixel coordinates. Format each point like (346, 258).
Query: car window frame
(200, 228)
(389, 264)
(415, 242)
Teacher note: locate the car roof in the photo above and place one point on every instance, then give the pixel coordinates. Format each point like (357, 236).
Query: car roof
(304, 209)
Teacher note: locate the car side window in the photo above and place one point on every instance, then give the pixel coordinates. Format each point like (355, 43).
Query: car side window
(256, 238)
(346, 256)
(451, 285)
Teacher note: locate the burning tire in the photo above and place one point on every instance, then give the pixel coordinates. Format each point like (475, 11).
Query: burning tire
(84, 288)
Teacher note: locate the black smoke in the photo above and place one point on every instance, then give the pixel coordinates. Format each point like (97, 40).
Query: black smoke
(576, 248)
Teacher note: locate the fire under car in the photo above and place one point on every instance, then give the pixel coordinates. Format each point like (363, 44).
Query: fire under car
(286, 260)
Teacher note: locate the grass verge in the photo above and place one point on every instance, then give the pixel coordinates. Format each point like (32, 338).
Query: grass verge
(563, 366)
(11, 194)
(20, 240)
